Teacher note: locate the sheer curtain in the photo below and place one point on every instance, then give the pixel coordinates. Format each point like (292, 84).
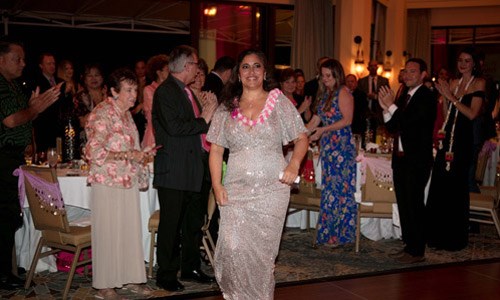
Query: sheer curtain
(419, 34)
(312, 34)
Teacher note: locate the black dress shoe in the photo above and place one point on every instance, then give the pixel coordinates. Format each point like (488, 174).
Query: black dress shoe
(197, 276)
(170, 285)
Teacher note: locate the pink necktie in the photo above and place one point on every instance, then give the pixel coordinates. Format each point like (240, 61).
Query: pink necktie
(52, 81)
(204, 143)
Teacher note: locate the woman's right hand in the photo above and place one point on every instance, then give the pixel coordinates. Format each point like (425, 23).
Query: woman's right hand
(220, 194)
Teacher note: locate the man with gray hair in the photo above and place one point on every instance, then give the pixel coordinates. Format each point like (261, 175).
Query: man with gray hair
(181, 171)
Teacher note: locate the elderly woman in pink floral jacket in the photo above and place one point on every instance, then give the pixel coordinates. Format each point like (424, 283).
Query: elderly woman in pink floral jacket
(116, 174)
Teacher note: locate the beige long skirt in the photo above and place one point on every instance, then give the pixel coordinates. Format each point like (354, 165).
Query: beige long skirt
(117, 254)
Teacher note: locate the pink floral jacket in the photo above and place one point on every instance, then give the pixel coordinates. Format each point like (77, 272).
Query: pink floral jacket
(109, 129)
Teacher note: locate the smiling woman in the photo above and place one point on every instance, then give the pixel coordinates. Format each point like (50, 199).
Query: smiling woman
(253, 122)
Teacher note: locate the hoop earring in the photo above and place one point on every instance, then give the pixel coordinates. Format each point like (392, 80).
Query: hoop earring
(239, 79)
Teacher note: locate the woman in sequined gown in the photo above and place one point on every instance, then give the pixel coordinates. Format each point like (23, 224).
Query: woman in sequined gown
(253, 122)
(448, 202)
(337, 219)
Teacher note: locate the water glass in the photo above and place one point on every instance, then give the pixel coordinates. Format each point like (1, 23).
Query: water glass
(52, 157)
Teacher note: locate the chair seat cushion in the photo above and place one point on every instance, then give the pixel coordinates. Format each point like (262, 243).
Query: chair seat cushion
(77, 236)
(482, 200)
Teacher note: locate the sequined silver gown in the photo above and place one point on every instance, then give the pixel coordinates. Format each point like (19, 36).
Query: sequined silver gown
(252, 222)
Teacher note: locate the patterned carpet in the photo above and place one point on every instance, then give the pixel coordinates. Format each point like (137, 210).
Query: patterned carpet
(297, 263)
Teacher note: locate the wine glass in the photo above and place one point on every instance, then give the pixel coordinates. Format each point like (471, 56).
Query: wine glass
(52, 157)
(28, 155)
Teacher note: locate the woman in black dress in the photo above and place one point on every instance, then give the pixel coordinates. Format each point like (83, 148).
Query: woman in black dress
(448, 201)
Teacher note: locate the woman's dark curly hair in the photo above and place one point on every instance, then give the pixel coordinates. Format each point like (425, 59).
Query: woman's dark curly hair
(233, 88)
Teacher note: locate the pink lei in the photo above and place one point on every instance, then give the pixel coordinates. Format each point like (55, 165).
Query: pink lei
(264, 114)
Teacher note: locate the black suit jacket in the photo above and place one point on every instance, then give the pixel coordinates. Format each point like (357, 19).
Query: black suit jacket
(311, 88)
(51, 122)
(178, 165)
(415, 125)
(214, 84)
(363, 85)
(359, 116)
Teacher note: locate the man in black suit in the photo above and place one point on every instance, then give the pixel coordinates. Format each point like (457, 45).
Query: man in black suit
(214, 83)
(358, 124)
(181, 171)
(411, 120)
(370, 85)
(50, 124)
(216, 80)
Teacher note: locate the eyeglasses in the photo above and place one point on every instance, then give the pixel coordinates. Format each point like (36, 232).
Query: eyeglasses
(194, 63)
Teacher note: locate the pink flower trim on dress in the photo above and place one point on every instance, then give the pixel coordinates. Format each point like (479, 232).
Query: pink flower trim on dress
(271, 100)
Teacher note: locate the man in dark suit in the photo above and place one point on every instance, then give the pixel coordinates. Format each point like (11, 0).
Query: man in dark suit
(50, 124)
(214, 83)
(411, 120)
(181, 171)
(370, 85)
(216, 80)
(358, 124)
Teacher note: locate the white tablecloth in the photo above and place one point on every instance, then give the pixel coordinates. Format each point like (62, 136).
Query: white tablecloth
(76, 195)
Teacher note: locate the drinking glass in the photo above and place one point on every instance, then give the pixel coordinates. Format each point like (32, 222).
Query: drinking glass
(52, 157)
(28, 155)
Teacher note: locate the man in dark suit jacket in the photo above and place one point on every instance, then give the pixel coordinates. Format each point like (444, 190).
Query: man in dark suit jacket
(358, 125)
(50, 124)
(370, 85)
(411, 119)
(216, 80)
(181, 172)
(214, 83)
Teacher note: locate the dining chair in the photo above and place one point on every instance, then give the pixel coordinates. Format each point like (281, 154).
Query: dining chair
(376, 202)
(49, 217)
(153, 223)
(307, 198)
(484, 206)
(208, 244)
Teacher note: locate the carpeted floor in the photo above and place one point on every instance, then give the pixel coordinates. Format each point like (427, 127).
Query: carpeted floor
(298, 262)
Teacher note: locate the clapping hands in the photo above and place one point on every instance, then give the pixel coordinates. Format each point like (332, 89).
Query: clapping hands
(209, 104)
(443, 88)
(386, 97)
(305, 104)
(39, 102)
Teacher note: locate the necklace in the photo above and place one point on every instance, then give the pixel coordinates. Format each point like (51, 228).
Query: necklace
(442, 132)
(264, 114)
